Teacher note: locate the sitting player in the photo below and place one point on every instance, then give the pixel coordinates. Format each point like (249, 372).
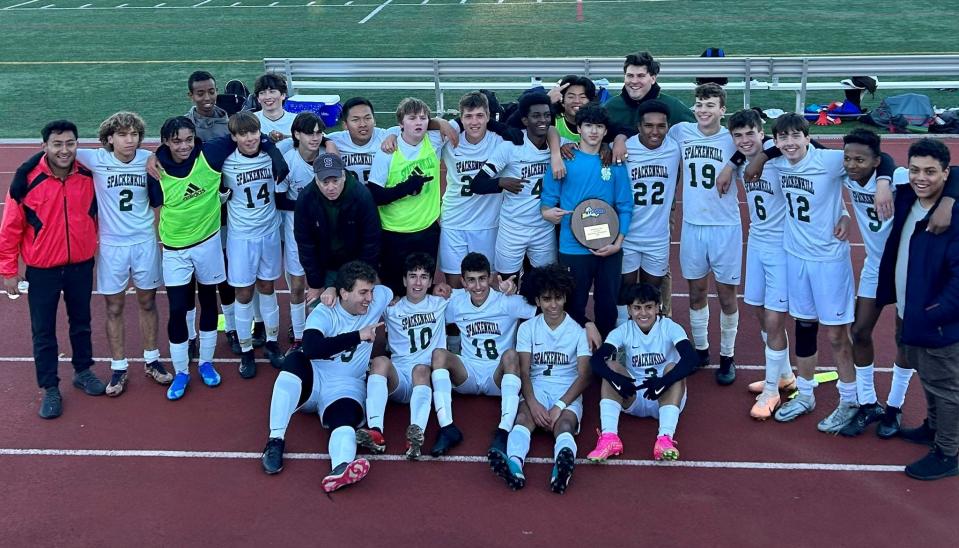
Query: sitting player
(328, 376)
(554, 367)
(660, 355)
(415, 327)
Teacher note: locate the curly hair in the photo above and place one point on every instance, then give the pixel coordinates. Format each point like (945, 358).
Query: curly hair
(118, 121)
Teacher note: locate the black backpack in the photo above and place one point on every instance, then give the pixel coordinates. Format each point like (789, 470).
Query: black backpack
(722, 81)
(234, 96)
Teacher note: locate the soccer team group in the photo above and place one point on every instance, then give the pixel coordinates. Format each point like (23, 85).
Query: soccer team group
(357, 223)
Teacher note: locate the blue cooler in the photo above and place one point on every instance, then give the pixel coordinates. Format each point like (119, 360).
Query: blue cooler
(327, 107)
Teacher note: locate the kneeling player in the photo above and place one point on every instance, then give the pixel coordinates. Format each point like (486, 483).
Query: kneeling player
(328, 376)
(660, 355)
(554, 366)
(415, 327)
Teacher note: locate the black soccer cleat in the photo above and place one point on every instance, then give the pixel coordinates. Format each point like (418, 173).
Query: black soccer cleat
(247, 365)
(506, 468)
(234, 341)
(890, 424)
(273, 456)
(499, 440)
(726, 374)
(866, 415)
(448, 438)
(259, 334)
(703, 357)
(562, 471)
(51, 406)
(272, 351)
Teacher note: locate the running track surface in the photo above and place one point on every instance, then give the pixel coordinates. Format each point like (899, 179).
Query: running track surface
(141, 469)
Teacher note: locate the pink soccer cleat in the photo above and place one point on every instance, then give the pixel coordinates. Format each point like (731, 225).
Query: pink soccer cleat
(346, 473)
(665, 449)
(608, 445)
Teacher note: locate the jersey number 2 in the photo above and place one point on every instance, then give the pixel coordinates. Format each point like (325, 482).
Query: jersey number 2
(126, 200)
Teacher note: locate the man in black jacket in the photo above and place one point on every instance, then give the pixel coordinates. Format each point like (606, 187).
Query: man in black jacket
(334, 222)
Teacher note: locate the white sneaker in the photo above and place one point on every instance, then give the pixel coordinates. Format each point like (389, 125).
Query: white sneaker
(838, 419)
(795, 408)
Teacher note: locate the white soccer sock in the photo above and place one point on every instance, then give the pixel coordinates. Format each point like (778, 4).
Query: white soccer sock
(517, 444)
(244, 324)
(786, 371)
(286, 393)
(256, 307)
(376, 394)
(420, 405)
(774, 367)
(668, 419)
(207, 346)
(699, 326)
(900, 384)
(151, 355)
(509, 400)
(342, 446)
(564, 440)
(847, 391)
(180, 356)
(622, 315)
(229, 319)
(298, 319)
(443, 396)
(728, 327)
(270, 310)
(191, 323)
(805, 386)
(865, 387)
(609, 411)
(119, 365)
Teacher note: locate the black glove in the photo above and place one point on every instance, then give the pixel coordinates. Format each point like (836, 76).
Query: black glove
(626, 390)
(414, 183)
(655, 387)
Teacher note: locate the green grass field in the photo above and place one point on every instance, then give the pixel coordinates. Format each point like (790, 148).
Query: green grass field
(58, 59)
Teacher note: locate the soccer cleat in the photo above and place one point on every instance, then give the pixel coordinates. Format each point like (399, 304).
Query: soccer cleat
(890, 424)
(935, 465)
(118, 381)
(51, 406)
(448, 438)
(608, 445)
(193, 349)
(273, 456)
(562, 471)
(178, 386)
(922, 434)
(839, 418)
(158, 373)
(289, 335)
(765, 406)
(665, 448)
(247, 365)
(506, 468)
(209, 374)
(371, 439)
(272, 351)
(346, 474)
(866, 415)
(499, 440)
(259, 334)
(703, 357)
(88, 382)
(795, 408)
(234, 341)
(414, 441)
(295, 346)
(785, 385)
(726, 374)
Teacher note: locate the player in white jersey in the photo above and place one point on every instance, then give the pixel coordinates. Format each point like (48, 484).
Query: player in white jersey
(554, 368)
(488, 364)
(328, 376)
(659, 357)
(253, 238)
(415, 327)
(468, 221)
(270, 91)
(128, 244)
(654, 162)
(361, 139)
(712, 235)
(519, 170)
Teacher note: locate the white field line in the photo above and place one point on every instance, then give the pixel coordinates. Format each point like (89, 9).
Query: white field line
(467, 459)
(420, 3)
(373, 13)
(201, 3)
(20, 4)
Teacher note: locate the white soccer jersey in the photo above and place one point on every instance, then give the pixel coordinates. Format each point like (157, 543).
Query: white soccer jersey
(284, 125)
(813, 190)
(489, 329)
(333, 321)
(874, 231)
(521, 211)
(767, 209)
(358, 158)
(414, 331)
(300, 177)
(704, 157)
(380, 170)
(647, 354)
(653, 175)
(463, 210)
(124, 216)
(251, 210)
(553, 352)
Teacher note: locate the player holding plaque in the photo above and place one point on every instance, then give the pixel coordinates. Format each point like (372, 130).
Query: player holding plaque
(593, 205)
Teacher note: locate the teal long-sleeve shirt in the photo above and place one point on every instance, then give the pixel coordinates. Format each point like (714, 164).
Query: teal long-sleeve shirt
(587, 178)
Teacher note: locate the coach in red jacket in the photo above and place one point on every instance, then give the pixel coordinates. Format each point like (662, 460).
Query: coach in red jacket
(51, 221)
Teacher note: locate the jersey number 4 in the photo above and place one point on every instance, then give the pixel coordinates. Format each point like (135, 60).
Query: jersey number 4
(262, 194)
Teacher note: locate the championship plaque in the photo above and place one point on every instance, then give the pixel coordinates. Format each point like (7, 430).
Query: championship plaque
(595, 224)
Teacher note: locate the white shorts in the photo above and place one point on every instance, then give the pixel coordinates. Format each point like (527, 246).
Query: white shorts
(479, 380)
(642, 407)
(705, 248)
(766, 279)
(404, 388)
(652, 260)
(205, 259)
(116, 264)
(291, 255)
(252, 260)
(455, 244)
(513, 243)
(548, 393)
(869, 278)
(820, 290)
(329, 388)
